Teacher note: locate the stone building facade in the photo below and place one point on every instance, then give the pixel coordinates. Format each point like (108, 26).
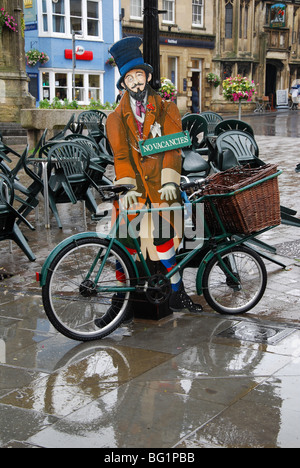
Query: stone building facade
(259, 39)
(14, 93)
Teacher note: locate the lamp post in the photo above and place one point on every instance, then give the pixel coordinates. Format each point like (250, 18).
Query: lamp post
(151, 39)
(74, 33)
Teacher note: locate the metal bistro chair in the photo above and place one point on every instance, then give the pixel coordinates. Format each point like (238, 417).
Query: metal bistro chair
(9, 230)
(193, 162)
(94, 122)
(68, 165)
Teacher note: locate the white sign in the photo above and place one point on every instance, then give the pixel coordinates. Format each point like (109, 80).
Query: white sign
(80, 50)
(282, 98)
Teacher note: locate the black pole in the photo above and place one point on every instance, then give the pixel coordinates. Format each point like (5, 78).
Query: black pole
(151, 40)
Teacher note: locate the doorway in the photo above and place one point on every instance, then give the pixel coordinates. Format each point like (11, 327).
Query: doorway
(196, 86)
(271, 78)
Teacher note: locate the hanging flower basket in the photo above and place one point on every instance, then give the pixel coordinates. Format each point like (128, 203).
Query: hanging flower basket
(111, 62)
(7, 21)
(239, 89)
(167, 90)
(213, 79)
(34, 56)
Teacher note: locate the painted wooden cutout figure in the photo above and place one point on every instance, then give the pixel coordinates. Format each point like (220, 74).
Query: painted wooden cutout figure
(143, 115)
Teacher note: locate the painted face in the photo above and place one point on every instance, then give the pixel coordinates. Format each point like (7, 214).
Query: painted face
(135, 80)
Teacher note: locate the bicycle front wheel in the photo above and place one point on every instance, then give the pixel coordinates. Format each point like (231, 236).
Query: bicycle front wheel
(234, 282)
(80, 305)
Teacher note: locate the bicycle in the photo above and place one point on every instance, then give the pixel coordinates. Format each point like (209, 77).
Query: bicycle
(79, 283)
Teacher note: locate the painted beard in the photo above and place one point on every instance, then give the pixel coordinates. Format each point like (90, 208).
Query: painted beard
(138, 95)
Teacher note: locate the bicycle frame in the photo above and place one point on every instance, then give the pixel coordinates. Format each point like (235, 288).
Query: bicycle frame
(218, 245)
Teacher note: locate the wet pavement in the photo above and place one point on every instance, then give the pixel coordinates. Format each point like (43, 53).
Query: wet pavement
(185, 382)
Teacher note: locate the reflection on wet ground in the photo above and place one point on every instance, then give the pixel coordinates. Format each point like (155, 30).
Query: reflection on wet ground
(283, 123)
(188, 381)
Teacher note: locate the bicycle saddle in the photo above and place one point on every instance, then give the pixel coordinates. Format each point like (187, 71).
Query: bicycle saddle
(112, 192)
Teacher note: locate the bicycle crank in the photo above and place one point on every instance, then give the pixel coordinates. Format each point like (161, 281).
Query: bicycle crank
(159, 289)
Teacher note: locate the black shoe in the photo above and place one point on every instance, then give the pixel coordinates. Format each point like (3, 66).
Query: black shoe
(112, 312)
(297, 168)
(180, 300)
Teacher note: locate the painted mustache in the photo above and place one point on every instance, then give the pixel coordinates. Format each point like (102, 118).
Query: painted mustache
(136, 85)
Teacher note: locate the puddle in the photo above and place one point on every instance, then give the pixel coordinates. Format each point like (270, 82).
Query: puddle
(257, 333)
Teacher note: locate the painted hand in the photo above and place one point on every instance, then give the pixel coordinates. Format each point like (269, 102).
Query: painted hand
(168, 192)
(130, 198)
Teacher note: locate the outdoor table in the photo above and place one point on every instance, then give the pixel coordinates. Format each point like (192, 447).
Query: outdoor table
(259, 105)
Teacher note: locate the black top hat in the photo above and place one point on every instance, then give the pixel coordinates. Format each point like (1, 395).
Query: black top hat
(128, 56)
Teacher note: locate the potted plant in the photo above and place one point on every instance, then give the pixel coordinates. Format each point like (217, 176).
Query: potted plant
(167, 90)
(111, 62)
(239, 89)
(213, 79)
(7, 21)
(34, 56)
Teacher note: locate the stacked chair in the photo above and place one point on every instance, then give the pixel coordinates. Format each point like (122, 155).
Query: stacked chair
(9, 229)
(75, 163)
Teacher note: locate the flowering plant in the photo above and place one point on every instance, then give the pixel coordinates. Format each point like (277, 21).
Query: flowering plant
(8, 21)
(34, 56)
(214, 79)
(111, 62)
(167, 90)
(239, 88)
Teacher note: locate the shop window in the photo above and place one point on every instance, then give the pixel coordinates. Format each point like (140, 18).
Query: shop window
(58, 84)
(46, 86)
(79, 88)
(94, 87)
(61, 86)
(172, 69)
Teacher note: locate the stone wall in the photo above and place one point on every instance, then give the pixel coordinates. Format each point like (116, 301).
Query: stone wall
(14, 93)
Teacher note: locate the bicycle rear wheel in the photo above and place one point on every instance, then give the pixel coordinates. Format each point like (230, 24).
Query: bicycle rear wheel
(235, 283)
(72, 295)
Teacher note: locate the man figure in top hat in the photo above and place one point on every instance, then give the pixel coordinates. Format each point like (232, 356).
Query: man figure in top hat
(141, 115)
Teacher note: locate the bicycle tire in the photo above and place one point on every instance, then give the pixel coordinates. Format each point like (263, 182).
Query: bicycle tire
(227, 296)
(72, 303)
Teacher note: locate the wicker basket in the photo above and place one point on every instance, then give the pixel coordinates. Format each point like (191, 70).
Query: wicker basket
(248, 211)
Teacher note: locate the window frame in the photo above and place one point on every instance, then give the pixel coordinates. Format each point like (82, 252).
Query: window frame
(228, 24)
(46, 17)
(132, 7)
(195, 7)
(170, 11)
(52, 87)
